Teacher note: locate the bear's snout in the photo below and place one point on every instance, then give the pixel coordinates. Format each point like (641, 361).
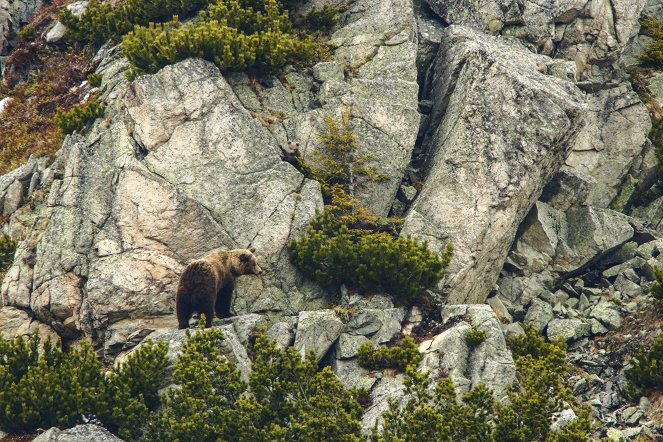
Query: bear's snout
(258, 270)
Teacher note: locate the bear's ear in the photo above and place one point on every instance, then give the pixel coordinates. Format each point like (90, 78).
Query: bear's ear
(252, 250)
(244, 257)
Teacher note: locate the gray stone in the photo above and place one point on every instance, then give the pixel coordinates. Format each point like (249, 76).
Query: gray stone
(597, 327)
(514, 330)
(539, 314)
(56, 33)
(352, 375)
(281, 333)
(500, 310)
(562, 419)
(470, 198)
(408, 193)
(644, 404)
(317, 331)
(489, 363)
(15, 186)
(347, 345)
(615, 435)
(105, 252)
(569, 329)
(379, 325)
(607, 313)
(79, 433)
(632, 415)
(627, 287)
(377, 44)
(592, 34)
(613, 137)
(568, 188)
(328, 70)
(387, 387)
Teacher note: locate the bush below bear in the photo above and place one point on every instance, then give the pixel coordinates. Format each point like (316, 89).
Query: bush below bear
(207, 284)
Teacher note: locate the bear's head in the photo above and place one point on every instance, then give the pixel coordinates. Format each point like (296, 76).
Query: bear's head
(245, 262)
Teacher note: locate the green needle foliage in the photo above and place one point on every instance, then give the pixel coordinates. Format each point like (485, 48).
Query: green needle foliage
(400, 357)
(653, 53)
(438, 415)
(112, 20)
(346, 244)
(287, 398)
(234, 34)
(474, 336)
(7, 251)
(647, 370)
(656, 289)
(79, 116)
(40, 388)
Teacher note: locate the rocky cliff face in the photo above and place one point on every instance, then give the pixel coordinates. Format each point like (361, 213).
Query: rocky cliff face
(506, 128)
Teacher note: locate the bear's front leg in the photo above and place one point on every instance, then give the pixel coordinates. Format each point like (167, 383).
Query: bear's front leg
(223, 301)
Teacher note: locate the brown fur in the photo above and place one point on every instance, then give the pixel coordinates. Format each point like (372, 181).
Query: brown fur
(207, 284)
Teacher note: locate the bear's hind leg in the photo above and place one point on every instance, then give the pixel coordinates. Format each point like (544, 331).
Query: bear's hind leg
(207, 308)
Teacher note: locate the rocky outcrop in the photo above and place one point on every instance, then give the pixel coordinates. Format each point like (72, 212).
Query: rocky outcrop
(13, 15)
(489, 362)
(172, 172)
(591, 33)
(613, 149)
(489, 158)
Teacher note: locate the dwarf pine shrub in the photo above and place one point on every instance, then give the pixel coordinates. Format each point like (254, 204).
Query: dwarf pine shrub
(79, 116)
(7, 251)
(42, 386)
(346, 244)
(474, 336)
(286, 397)
(543, 391)
(233, 34)
(656, 289)
(646, 372)
(653, 53)
(104, 21)
(400, 356)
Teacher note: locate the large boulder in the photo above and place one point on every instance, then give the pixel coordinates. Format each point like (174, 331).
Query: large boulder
(613, 137)
(501, 127)
(489, 362)
(178, 168)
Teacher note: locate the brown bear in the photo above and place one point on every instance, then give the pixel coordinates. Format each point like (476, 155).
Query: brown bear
(207, 284)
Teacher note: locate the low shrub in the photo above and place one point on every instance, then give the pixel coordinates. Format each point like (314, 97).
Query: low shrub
(474, 336)
(7, 251)
(332, 253)
(94, 80)
(79, 116)
(656, 289)
(49, 387)
(104, 21)
(286, 398)
(646, 372)
(232, 34)
(653, 53)
(543, 391)
(400, 357)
